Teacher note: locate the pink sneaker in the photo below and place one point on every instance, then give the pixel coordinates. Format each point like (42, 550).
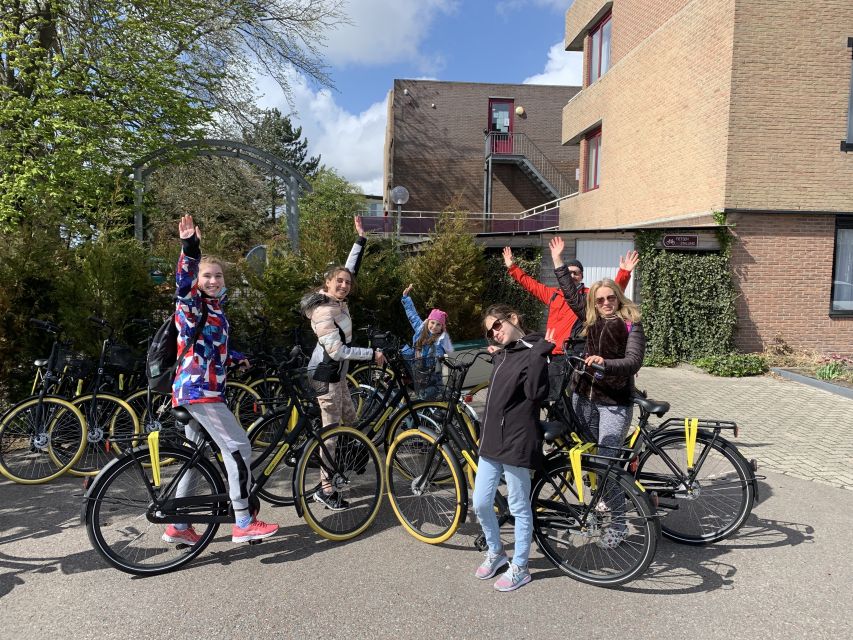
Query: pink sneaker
(256, 530)
(183, 536)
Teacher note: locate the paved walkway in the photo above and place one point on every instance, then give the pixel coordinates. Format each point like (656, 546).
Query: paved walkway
(788, 427)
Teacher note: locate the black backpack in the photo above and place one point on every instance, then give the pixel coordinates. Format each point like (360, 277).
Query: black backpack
(162, 360)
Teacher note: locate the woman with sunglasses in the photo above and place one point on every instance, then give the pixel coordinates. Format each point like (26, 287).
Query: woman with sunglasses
(614, 340)
(330, 319)
(511, 440)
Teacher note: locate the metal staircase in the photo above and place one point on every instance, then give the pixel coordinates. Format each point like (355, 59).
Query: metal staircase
(518, 149)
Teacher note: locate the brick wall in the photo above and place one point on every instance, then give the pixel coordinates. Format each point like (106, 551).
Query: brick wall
(783, 271)
(790, 93)
(664, 111)
(437, 152)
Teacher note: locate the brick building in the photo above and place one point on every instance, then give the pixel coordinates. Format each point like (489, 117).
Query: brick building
(691, 107)
(478, 147)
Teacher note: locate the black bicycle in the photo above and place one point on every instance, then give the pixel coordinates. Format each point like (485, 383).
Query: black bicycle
(129, 504)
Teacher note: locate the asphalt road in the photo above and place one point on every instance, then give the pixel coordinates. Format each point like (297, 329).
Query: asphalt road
(787, 574)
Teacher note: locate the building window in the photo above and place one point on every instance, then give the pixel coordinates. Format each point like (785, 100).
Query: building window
(847, 145)
(593, 160)
(842, 272)
(599, 49)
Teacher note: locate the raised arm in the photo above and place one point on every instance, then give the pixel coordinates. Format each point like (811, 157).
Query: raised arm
(353, 262)
(543, 292)
(186, 274)
(572, 291)
(627, 265)
(411, 311)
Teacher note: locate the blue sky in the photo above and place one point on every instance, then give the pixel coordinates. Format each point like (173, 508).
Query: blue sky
(507, 41)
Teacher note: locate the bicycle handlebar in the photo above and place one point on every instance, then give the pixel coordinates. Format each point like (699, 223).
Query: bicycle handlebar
(461, 366)
(46, 325)
(597, 367)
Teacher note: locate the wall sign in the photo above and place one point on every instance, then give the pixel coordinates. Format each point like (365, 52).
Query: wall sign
(680, 241)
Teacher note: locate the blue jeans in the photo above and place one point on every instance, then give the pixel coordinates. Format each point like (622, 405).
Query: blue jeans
(518, 484)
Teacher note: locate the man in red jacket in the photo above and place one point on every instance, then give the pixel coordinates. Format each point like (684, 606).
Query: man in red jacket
(561, 318)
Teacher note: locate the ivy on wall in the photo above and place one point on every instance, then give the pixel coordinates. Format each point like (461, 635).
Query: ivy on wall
(688, 300)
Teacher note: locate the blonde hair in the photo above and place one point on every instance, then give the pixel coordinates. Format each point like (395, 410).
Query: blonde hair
(626, 309)
(212, 260)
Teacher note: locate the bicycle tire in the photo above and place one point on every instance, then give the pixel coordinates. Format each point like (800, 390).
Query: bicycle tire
(25, 460)
(108, 415)
(721, 500)
(358, 479)
(581, 550)
(116, 507)
(264, 439)
(160, 419)
(431, 513)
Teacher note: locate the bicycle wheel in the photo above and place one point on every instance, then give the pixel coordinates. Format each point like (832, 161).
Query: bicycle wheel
(119, 500)
(711, 507)
(608, 544)
(243, 402)
(431, 502)
(267, 438)
(106, 415)
(354, 471)
(40, 439)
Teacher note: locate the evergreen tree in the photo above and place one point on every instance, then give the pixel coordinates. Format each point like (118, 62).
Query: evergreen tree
(450, 274)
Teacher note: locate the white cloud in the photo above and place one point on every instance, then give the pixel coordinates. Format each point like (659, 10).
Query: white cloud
(563, 67)
(383, 32)
(351, 144)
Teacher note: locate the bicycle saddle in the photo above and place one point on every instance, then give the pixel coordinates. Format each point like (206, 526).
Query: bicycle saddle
(40, 363)
(651, 406)
(181, 414)
(553, 430)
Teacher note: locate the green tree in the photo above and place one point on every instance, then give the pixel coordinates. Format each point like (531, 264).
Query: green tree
(326, 231)
(275, 134)
(86, 87)
(450, 274)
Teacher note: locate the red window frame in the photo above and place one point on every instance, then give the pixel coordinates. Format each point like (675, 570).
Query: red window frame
(597, 29)
(593, 146)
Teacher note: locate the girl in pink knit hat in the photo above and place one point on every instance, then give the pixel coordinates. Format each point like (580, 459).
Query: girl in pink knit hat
(430, 341)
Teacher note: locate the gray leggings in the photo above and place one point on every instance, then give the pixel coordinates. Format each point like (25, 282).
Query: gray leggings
(216, 418)
(608, 424)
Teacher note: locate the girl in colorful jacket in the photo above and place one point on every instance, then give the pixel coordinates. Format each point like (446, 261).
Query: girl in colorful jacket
(327, 310)
(429, 342)
(199, 384)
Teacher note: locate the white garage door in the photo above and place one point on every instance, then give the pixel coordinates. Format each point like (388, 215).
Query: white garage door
(600, 259)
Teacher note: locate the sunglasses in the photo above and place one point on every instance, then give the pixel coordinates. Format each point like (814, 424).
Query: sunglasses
(600, 301)
(496, 326)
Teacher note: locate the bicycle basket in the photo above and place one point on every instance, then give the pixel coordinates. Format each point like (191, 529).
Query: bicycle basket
(78, 366)
(429, 381)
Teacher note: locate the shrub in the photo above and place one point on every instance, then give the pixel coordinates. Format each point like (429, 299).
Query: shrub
(733, 365)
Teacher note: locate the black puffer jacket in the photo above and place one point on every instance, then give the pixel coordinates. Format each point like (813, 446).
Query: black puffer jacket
(518, 385)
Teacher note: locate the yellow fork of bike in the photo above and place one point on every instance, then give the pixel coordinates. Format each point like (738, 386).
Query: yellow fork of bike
(575, 460)
(154, 451)
(691, 429)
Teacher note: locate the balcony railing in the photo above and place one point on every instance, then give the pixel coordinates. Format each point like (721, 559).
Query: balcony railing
(422, 223)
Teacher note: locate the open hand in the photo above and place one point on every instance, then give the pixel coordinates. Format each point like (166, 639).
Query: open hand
(557, 245)
(186, 228)
(507, 254)
(407, 290)
(358, 228)
(629, 261)
(244, 364)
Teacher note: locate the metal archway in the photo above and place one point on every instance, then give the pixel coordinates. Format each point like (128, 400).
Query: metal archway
(295, 184)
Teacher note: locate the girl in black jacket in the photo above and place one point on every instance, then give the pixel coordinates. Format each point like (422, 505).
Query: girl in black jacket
(511, 440)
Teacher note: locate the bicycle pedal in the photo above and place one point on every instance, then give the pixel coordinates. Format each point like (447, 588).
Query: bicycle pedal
(255, 542)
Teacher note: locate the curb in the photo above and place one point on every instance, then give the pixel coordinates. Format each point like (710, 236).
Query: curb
(818, 384)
